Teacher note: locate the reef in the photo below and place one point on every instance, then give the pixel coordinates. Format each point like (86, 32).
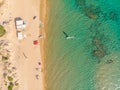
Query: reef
(80, 2)
(99, 52)
(109, 61)
(2, 31)
(92, 11)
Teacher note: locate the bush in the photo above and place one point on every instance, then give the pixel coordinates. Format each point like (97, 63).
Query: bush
(16, 84)
(4, 58)
(2, 31)
(10, 87)
(10, 78)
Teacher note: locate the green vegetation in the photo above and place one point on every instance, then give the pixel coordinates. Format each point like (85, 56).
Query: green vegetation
(16, 84)
(10, 78)
(4, 58)
(10, 87)
(2, 31)
(4, 74)
(5, 83)
(92, 11)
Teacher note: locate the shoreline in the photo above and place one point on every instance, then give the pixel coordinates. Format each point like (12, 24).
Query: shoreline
(43, 13)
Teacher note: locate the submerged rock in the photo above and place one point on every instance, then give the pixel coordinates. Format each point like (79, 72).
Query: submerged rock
(97, 43)
(109, 61)
(92, 11)
(100, 51)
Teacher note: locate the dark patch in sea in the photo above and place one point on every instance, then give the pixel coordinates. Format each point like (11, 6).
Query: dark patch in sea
(92, 11)
(109, 61)
(99, 52)
(80, 3)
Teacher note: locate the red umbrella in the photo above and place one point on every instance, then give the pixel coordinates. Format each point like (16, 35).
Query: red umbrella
(35, 42)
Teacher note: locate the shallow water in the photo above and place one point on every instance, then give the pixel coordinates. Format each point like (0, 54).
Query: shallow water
(83, 45)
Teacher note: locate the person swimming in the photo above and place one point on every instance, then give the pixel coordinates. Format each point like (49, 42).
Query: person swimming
(67, 36)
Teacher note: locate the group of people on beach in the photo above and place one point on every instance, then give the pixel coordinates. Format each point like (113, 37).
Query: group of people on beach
(39, 68)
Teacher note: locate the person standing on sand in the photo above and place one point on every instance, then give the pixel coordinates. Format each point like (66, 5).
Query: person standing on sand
(34, 17)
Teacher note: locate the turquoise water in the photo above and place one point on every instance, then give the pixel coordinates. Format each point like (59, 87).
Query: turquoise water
(83, 45)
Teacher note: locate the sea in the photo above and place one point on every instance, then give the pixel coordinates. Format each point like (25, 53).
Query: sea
(82, 47)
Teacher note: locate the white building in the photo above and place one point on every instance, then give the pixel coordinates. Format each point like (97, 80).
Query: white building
(19, 35)
(19, 23)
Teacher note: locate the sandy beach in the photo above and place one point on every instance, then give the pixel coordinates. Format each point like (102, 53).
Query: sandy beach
(25, 57)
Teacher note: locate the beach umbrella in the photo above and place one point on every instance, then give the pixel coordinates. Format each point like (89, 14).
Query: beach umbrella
(35, 42)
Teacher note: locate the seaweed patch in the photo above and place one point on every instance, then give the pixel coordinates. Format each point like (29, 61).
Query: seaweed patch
(92, 11)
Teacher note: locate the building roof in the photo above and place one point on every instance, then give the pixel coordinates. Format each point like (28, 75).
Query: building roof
(19, 22)
(19, 35)
(19, 27)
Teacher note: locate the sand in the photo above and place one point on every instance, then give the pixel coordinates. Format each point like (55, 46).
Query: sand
(24, 55)
(43, 15)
